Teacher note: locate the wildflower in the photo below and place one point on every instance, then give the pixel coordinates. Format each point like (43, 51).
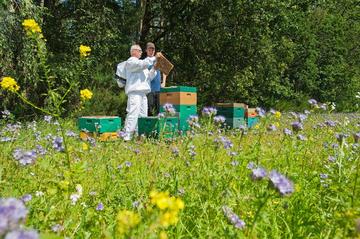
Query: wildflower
(278, 114)
(271, 127)
(261, 112)
(287, 132)
(297, 126)
(169, 109)
(57, 228)
(26, 198)
(281, 183)
(126, 220)
(70, 133)
(209, 111)
(301, 137)
(9, 83)
(234, 163)
(312, 102)
(5, 114)
(163, 235)
(161, 115)
(128, 164)
(226, 142)
(31, 26)
(24, 158)
(331, 159)
(219, 119)
(135, 204)
(84, 50)
(74, 198)
(39, 194)
(258, 173)
(12, 212)
(5, 139)
(233, 218)
(341, 137)
(58, 144)
(302, 117)
(85, 94)
(22, 234)
(193, 121)
(175, 151)
(323, 106)
(330, 123)
(250, 165)
(100, 207)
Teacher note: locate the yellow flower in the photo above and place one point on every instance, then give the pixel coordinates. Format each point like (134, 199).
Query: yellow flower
(31, 26)
(9, 83)
(84, 146)
(86, 94)
(169, 218)
(126, 220)
(84, 50)
(277, 114)
(163, 235)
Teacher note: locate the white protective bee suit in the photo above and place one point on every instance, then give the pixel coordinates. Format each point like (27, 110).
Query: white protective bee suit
(138, 77)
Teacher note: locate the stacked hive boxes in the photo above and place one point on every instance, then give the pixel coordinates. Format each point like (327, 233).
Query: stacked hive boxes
(184, 100)
(157, 127)
(104, 127)
(234, 114)
(251, 117)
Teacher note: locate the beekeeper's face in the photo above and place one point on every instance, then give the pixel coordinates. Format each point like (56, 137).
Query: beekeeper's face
(150, 51)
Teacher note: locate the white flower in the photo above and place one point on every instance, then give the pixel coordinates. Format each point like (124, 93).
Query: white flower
(39, 194)
(79, 189)
(74, 198)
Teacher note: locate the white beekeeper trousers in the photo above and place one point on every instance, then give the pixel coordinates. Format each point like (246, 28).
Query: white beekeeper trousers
(137, 106)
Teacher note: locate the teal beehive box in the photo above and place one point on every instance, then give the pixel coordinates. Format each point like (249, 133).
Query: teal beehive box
(234, 123)
(231, 110)
(156, 127)
(251, 121)
(178, 89)
(99, 124)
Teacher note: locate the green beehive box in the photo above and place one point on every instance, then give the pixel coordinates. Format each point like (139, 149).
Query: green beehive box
(99, 124)
(155, 126)
(182, 111)
(178, 89)
(231, 110)
(251, 121)
(234, 123)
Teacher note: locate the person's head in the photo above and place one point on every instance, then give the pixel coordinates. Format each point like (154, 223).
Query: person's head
(150, 49)
(135, 51)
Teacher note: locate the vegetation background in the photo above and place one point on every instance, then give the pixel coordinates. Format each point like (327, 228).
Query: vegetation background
(265, 53)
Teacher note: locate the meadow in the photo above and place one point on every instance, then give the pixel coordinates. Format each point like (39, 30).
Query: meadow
(294, 175)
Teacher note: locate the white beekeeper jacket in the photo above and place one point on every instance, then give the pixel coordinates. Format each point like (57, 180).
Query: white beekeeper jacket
(138, 76)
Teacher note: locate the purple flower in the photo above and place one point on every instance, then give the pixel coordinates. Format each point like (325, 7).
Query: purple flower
(297, 126)
(258, 173)
(209, 111)
(272, 111)
(250, 165)
(233, 218)
(271, 127)
(12, 212)
(301, 137)
(5, 139)
(24, 158)
(57, 228)
(169, 108)
(100, 207)
(219, 119)
(334, 145)
(128, 164)
(330, 123)
(22, 234)
(331, 159)
(47, 118)
(226, 142)
(5, 114)
(302, 117)
(312, 102)
(58, 144)
(40, 150)
(341, 137)
(136, 204)
(161, 115)
(281, 183)
(26, 198)
(287, 132)
(261, 112)
(323, 176)
(175, 151)
(323, 106)
(234, 163)
(70, 133)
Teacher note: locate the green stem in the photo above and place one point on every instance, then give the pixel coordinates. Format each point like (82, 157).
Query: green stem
(355, 183)
(65, 143)
(259, 210)
(34, 106)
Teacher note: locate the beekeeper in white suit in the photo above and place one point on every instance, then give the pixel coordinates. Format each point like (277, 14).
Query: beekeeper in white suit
(138, 74)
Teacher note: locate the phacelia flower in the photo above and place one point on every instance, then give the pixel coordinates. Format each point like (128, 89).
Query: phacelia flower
(84, 51)
(209, 111)
(233, 218)
(100, 207)
(85, 94)
(287, 132)
(22, 234)
(219, 119)
(281, 183)
(258, 173)
(9, 83)
(58, 144)
(12, 213)
(297, 126)
(25, 157)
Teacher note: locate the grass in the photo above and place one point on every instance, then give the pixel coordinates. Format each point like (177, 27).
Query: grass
(121, 175)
